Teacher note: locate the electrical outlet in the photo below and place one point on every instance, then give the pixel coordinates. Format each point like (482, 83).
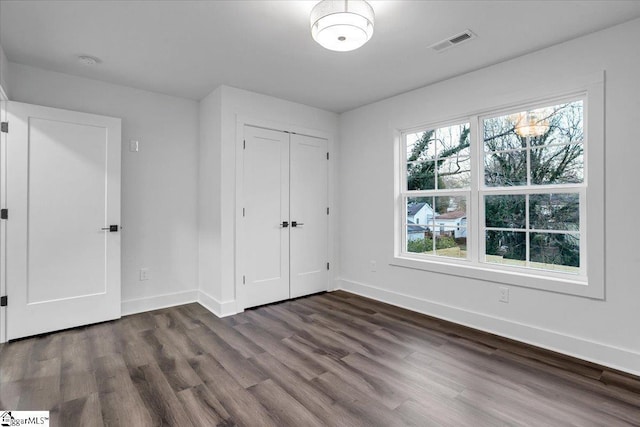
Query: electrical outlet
(144, 274)
(134, 145)
(373, 266)
(504, 294)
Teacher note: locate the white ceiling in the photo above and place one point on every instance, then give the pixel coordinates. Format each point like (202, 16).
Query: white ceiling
(188, 48)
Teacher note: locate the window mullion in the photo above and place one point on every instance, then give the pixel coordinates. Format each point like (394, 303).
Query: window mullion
(475, 214)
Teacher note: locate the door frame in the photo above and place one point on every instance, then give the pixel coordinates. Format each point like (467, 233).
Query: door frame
(3, 224)
(239, 267)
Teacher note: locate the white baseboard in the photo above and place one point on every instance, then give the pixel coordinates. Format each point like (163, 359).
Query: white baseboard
(159, 301)
(602, 354)
(220, 309)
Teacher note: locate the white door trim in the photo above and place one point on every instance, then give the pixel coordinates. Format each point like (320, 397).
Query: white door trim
(241, 122)
(3, 225)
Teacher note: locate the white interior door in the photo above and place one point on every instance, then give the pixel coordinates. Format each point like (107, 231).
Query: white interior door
(308, 212)
(63, 190)
(283, 242)
(265, 241)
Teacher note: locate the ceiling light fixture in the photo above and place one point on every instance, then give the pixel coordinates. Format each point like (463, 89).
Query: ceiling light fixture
(342, 25)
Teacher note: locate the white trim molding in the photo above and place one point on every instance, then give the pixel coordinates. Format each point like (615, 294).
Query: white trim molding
(157, 302)
(220, 309)
(603, 354)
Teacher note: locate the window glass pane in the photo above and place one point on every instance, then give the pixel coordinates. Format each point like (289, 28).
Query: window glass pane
(421, 176)
(506, 247)
(449, 228)
(562, 124)
(499, 135)
(452, 140)
(563, 164)
(450, 246)
(541, 130)
(419, 224)
(454, 172)
(449, 143)
(421, 146)
(419, 239)
(554, 211)
(419, 210)
(505, 169)
(507, 211)
(553, 251)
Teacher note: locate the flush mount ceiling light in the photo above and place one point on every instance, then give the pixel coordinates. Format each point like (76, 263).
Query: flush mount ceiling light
(342, 25)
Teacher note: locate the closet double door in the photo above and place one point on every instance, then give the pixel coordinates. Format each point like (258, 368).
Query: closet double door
(283, 239)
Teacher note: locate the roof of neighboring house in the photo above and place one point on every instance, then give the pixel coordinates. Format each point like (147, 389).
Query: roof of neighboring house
(415, 208)
(452, 215)
(415, 228)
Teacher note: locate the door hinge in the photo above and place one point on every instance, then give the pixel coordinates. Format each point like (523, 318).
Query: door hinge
(4, 213)
(243, 212)
(327, 211)
(4, 301)
(327, 266)
(4, 127)
(327, 155)
(244, 279)
(244, 144)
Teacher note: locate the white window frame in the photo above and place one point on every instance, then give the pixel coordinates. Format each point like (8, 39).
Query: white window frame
(589, 282)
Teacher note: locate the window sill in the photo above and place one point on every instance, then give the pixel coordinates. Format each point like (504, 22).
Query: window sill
(463, 268)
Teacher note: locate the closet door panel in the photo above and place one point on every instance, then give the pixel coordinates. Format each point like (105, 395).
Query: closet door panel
(308, 213)
(264, 241)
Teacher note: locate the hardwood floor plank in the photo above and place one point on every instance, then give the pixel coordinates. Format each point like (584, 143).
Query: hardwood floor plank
(333, 359)
(158, 396)
(120, 401)
(303, 364)
(13, 360)
(237, 366)
(285, 409)
(246, 347)
(358, 402)
(203, 408)
(81, 412)
(384, 393)
(324, 407)
(10, 393)
(245, 409)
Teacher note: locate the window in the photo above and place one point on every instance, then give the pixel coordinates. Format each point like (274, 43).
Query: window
(438, 180)
(533, 169)
(504, 194)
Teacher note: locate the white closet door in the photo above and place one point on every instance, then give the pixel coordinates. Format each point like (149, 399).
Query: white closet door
(265, 242)
(63, 189)
(308, 212)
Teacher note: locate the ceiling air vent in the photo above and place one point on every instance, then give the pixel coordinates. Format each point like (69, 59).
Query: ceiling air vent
(453, 41)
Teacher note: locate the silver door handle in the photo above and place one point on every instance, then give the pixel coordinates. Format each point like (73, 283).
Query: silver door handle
(111, 228)
(296, 223)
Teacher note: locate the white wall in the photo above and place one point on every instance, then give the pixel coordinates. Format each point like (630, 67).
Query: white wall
(4, 70)
(159, 183)
(219, 286)
(606, 331)
(209, 187)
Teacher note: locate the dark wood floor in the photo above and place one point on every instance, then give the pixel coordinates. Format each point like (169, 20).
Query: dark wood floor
(332, 359)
